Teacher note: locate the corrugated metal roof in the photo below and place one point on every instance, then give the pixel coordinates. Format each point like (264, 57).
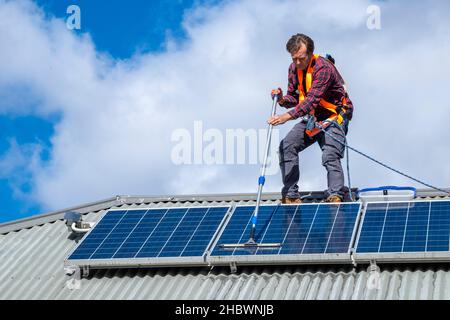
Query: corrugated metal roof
(31, 264)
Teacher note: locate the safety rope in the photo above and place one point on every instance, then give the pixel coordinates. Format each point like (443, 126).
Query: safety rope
(371, 158)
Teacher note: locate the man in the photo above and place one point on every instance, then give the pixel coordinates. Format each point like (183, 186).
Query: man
(315, 89)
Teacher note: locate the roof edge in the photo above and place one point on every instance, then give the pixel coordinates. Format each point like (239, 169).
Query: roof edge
(40, 219)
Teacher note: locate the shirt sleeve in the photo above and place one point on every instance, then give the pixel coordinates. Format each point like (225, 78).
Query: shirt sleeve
(320, 84)
(292, 96)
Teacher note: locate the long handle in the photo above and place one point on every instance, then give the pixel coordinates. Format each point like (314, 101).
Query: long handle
(262, 177)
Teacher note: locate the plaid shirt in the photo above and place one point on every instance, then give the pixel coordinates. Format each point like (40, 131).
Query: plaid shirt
(326, 84)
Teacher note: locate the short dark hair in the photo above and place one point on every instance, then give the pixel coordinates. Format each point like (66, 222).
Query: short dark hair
(296, 41)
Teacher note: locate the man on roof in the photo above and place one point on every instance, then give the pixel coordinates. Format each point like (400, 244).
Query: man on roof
(316, 92)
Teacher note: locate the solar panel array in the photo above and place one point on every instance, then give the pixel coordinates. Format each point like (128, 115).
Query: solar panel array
(151, 233)
(314, 232)
(405, 227)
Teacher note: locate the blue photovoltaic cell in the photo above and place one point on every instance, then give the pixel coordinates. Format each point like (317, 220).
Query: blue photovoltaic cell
(405, 227)
(301, 229)
(151, 233)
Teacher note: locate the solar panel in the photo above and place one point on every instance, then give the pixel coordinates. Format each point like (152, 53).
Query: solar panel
(316, 232)
(150, 236)
(403, 230)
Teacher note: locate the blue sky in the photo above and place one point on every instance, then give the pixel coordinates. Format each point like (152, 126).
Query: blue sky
(86, 115)
(117, 29)
(122, 28)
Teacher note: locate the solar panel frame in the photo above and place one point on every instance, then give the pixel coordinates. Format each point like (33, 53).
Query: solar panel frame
(389, 257)
(286, 259)
(147, 262)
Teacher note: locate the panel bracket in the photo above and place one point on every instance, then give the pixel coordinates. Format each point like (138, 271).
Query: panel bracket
(352, 257)
(233, 267)
(73, 277)
(73, 272)
(85, 272)
(210, 269)
(373, 266)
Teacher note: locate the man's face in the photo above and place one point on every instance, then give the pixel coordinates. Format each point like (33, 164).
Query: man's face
(301, 58)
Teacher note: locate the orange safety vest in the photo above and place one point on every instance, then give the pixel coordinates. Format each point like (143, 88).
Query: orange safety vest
(325, 104)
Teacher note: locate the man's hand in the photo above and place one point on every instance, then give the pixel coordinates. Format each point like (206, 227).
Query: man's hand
(277, 120)
(277, 93)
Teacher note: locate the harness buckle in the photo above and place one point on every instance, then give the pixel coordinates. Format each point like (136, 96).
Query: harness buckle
(314, 127)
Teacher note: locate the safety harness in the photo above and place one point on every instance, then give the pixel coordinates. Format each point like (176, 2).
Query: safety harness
(338, 113)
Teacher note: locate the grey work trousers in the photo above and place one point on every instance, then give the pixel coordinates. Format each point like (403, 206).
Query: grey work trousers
(332, 152)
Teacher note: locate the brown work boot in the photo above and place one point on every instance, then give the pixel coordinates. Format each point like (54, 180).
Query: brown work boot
(334, 199)
(286, 200)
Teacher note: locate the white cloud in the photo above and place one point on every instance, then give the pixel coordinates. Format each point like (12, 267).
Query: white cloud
(17, 165)
(117, 116)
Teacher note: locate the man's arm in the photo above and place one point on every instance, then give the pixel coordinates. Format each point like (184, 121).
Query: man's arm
(290, 100)
(320, 84)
